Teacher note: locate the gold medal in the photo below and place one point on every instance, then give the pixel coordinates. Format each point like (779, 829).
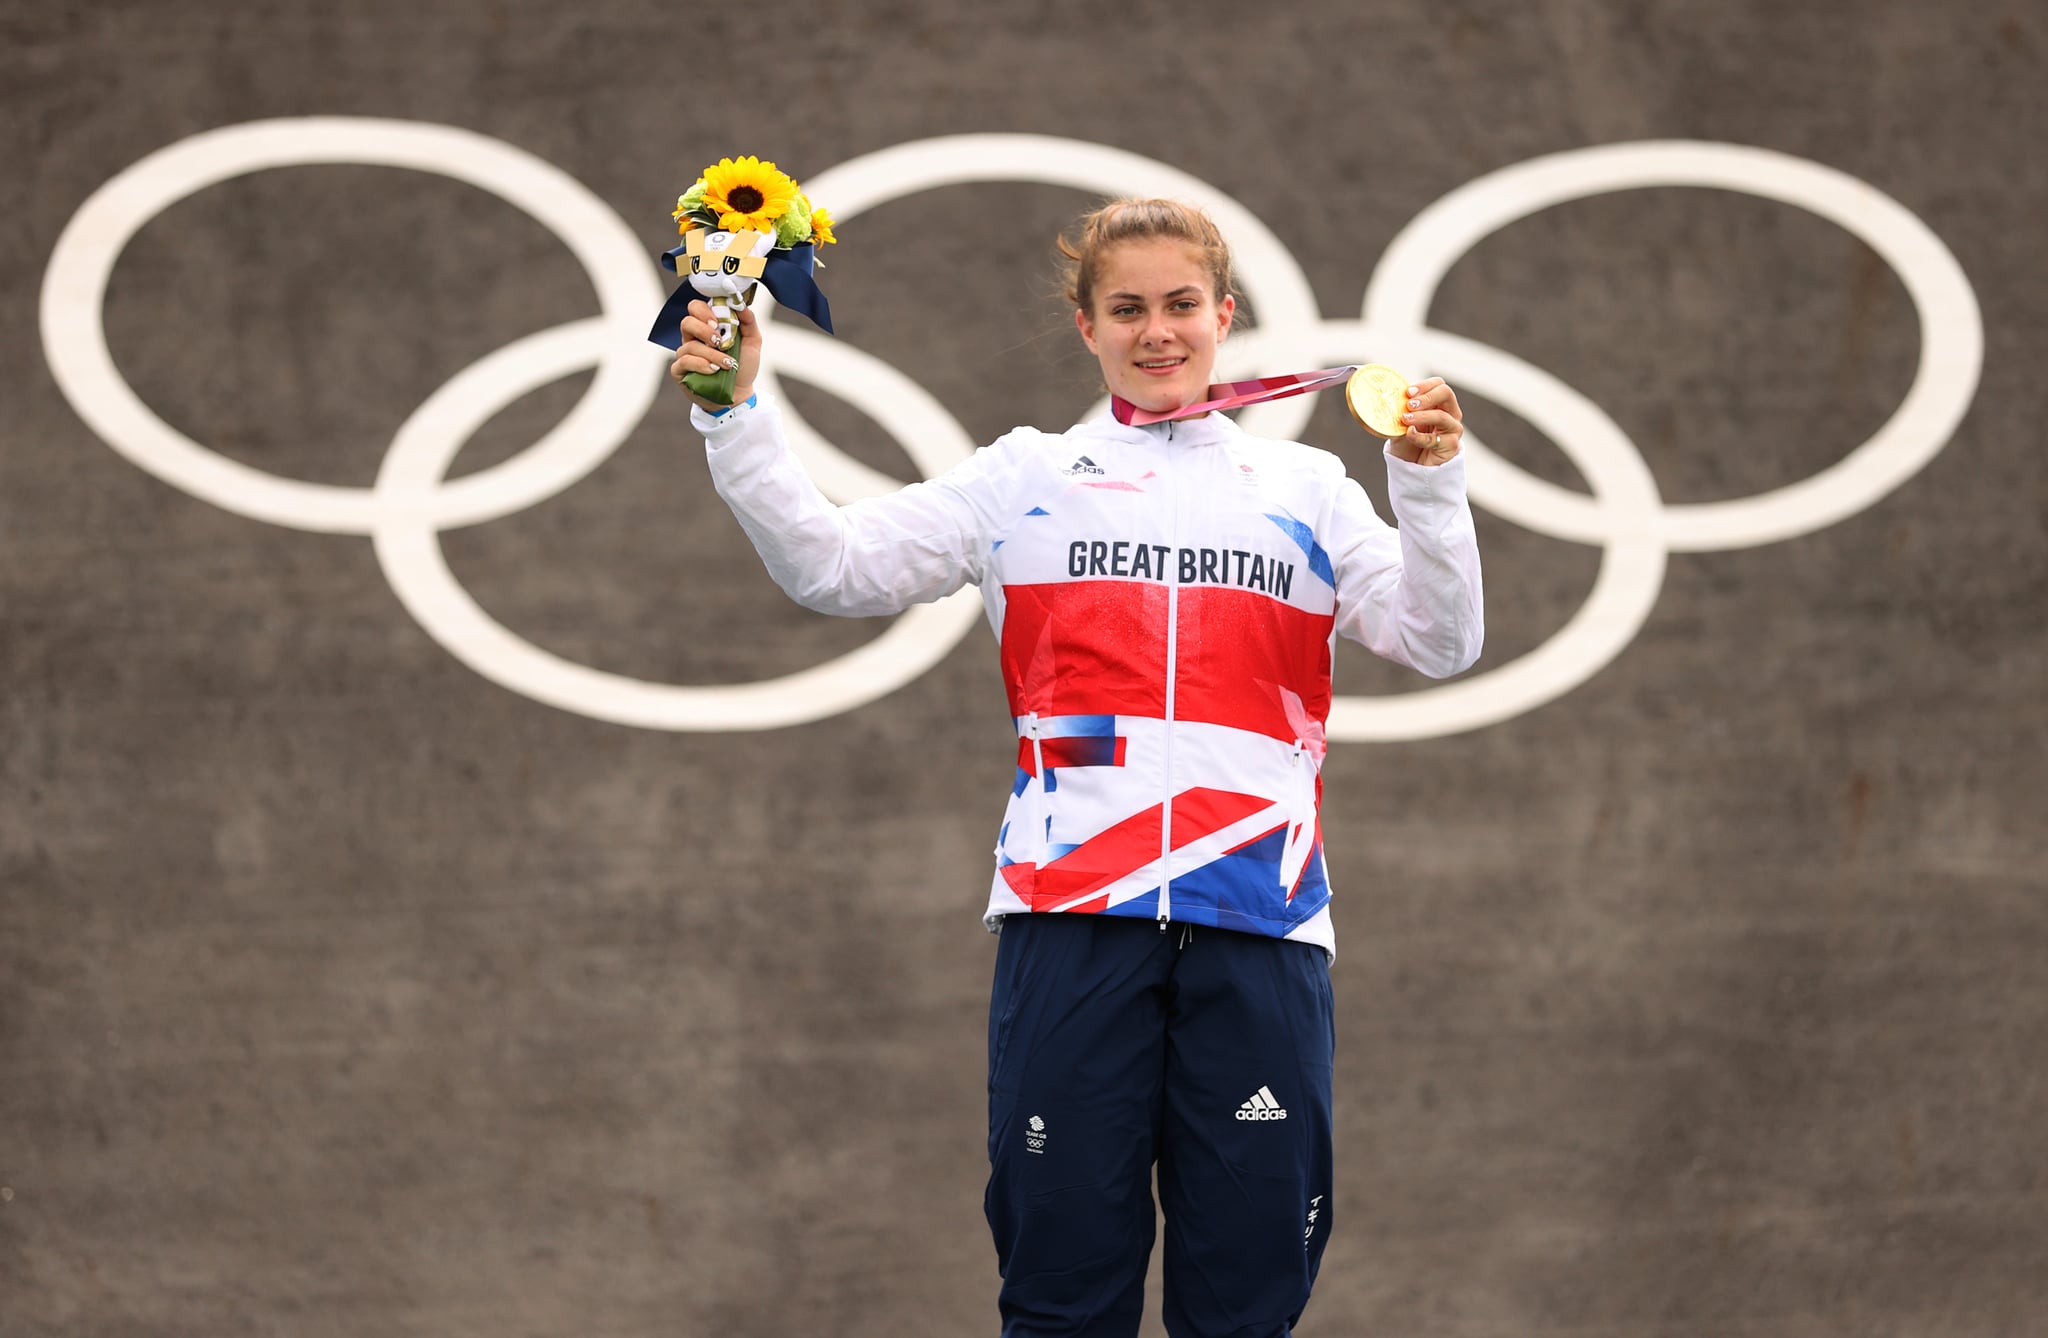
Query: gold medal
(1377, 397)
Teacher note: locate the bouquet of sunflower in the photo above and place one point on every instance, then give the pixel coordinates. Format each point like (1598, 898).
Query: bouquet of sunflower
(744, 222)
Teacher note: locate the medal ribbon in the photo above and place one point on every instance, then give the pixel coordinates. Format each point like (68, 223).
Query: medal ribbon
(1234, 394)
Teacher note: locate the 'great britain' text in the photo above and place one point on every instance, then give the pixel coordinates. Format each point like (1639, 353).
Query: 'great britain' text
(1192, 566)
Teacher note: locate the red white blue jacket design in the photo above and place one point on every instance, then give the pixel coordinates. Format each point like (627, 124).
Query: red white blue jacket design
(1166, 600)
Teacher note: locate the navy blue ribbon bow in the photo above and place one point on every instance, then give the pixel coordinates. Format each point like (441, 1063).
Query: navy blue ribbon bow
(787, 276)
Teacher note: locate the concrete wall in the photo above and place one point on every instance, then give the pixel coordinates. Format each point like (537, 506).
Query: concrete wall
(345, 992)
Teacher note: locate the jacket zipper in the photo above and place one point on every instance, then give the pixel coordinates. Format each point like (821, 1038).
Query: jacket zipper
(1172, 655)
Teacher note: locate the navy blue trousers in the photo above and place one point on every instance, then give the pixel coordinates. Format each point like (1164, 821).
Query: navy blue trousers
(1112, 1046)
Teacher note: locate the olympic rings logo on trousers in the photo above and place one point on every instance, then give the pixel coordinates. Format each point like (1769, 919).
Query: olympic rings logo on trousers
(412, 500)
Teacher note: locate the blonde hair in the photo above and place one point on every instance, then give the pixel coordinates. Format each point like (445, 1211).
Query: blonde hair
(1139, 220)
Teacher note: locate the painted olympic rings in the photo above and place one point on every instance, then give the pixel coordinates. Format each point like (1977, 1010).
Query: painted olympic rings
(412, 501)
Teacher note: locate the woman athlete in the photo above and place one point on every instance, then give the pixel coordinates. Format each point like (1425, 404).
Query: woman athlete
(1166, 598)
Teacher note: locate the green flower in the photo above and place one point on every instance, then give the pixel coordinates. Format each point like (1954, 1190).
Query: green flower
(795, 226)
(691, 211)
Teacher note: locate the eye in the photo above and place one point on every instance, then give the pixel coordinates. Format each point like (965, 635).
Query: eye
(1123, 309)
(732, 264)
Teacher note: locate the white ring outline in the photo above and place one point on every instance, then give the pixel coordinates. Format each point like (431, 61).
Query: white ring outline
(1281, 295)
(1944, 383)
(82, 263)
(1631, 564)
(409, 549)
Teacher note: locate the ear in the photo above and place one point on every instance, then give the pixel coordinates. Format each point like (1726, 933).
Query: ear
(1086, 325)
(1226, 310)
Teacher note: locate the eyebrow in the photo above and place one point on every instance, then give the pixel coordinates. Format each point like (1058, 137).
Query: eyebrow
(1181, 291)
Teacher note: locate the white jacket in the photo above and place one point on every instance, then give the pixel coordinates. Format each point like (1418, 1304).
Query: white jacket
(1166, 600)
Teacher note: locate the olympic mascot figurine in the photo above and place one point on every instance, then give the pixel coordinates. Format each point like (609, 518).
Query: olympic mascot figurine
(743, 223)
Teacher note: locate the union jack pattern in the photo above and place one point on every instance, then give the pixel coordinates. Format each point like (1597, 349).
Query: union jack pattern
(1143, 667)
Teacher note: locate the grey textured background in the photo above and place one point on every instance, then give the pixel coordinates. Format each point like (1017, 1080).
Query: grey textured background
(344, 993)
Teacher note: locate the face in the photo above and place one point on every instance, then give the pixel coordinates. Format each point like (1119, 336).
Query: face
(1155, 323)
(725, 264)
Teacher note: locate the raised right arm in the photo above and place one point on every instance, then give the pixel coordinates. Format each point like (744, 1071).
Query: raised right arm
(875, 556)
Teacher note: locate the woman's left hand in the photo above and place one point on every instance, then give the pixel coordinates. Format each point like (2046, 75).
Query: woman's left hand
(699, 353)
(1435, 424)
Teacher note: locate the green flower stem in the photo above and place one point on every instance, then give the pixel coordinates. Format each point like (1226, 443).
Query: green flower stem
(715, 388)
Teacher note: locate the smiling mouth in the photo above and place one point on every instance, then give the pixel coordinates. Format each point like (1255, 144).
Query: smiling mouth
(1160, 364)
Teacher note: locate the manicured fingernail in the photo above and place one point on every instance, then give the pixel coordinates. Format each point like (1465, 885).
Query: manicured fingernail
(1415, 390)
(1415, 404)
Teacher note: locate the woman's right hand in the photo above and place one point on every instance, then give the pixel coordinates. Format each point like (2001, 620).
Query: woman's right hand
(697, 354)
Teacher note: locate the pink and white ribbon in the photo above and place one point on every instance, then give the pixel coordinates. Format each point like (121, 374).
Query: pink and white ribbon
(1235, 394)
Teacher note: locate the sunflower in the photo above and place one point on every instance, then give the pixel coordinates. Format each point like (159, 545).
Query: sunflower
(821, 225)
(748, 194)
